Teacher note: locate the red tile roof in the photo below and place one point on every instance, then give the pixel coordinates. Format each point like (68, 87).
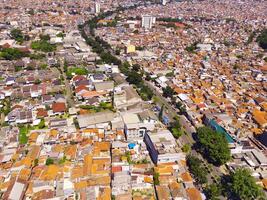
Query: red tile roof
(58, 107)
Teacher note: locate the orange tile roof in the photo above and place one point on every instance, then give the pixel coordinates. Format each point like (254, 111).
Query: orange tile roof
(193, 194)
(80, 185)
(186, 177)
(50, 173)
(260, 117)
(77, 172)
(105, 194)
(70, 151)
(87, 164)
(24, 174)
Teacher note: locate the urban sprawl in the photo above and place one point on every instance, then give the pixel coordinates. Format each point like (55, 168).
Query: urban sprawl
(133, 99)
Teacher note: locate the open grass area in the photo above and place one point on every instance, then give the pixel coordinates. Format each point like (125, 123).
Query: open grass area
(23, 139)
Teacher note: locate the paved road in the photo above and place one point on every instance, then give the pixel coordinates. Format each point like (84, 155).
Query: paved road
(185, 123)
(69, 93)
(172, 112)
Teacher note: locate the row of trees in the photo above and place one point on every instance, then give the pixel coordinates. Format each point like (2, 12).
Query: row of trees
(12, 54)
(197, 169)
(102, 48)
(239, 184)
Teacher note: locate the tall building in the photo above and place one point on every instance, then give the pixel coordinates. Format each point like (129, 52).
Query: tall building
(148, 21)
(97, 7)
(164, 2)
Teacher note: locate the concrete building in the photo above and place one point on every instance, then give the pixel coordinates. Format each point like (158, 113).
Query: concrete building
(161, 147)
(97, 7)
(148, 21)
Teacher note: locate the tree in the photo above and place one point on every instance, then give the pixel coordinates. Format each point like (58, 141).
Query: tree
(213, 191)
(156, 178)
(134, 78)
(146, 93)
(161, 112)
(181, 107)
(176, 133)
(191, 48)
(186, 148)
(213, 145)
(17, 35)
(136, 67)
(11, 54)
(197, 169)
(175, 127)
(43, 45)
(49, 161)
(168, 92)
(36, 161)
(243, 185)
(41, 125)
(262, 39)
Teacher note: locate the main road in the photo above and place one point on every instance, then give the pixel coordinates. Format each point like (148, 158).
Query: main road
(69, 93)
(171, 113)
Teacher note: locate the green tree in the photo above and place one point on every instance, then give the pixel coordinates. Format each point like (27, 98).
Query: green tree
(136, 67)
(262, 39)
(11, 54)
(176, 132)
(186, 148)
(156, 178)
(213, 191)
(168, 92)
(134, 78)
(36, 161)
(196, 168)
(49, 161)
(41, 125)
(43, 45)
(213, 145)
(243, 185)
(17, 35)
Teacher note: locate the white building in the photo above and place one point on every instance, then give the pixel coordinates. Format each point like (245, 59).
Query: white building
(148, 21)
(97, 7)
(164, 2)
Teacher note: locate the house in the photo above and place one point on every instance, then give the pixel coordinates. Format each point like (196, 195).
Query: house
(106, 86)
(59, 108)
(10, 80)
(161, 146)
(98, 77)
(47, 99)
(60, 98)
(133, 127)
(100, 119)
(126, 96)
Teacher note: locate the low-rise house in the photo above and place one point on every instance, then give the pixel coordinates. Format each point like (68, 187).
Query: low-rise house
(59, 108)
(161, 146)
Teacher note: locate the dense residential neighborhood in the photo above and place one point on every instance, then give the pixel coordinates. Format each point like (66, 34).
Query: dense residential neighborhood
(133, 99)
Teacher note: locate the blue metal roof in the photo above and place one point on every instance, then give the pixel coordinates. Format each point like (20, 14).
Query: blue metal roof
(221, 130)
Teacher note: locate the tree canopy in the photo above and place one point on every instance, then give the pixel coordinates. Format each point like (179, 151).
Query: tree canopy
(262, 39)
(168, 92)
(213, 145)
(243, 185)
(134, 78)
(43, 44)
(11, 54)
(197, 169)
(17, 35)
